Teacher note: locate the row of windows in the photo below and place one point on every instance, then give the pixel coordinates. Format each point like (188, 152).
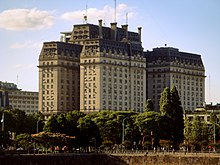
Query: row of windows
(25, 106)
(160, 87)
(89, 108)
(178, 77)
(89, 102)
(201, 118)
(89, 96)
(25, 102)
(24, 94)
(20, 98)
(183, 93)
(110, 69)
(47, 63)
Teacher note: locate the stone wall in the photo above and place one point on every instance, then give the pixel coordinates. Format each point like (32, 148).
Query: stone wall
(103, 159)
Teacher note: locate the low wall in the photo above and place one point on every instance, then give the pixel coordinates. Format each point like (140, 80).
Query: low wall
(103, 159)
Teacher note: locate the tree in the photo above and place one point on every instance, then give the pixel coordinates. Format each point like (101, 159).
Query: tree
(89, 132)
(170, 107)
(62, 122)
(72, 122)
(148, 124)
(149, 106)
(196, 132)
(52, 125)
(214, 127)
(177, 117)
(109, 126)
(187, 131)
(46, 139)
(165, 103)
(24, 141)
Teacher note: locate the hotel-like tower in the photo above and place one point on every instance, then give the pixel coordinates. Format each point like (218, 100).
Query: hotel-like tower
(58, 78)
(94, 68)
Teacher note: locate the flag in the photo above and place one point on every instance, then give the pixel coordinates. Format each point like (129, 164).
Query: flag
(3, 116)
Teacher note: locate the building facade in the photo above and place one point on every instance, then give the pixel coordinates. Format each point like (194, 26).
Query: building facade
(168, 66)
(112, 68)
(24, 100)
(13, 98)
(204, 113)
(109, 70)
(59, 78)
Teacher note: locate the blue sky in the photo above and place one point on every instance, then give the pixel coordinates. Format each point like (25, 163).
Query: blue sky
(190, 26)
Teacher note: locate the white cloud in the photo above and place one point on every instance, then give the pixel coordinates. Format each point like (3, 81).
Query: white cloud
(107, 13)
(25, 45)
(25, 19)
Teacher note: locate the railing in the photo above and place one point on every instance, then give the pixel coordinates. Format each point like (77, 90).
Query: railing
(154, 152)
(124, 152)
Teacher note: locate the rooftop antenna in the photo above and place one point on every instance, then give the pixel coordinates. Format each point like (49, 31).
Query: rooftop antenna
(17, 79)
(104, 22)
(115, 12)
(209, 88)
(85, 15)
(127, 18)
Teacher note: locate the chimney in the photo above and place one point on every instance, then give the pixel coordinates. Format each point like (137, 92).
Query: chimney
(113, 30)
(139, 33)
(100, 29)
(125, 27)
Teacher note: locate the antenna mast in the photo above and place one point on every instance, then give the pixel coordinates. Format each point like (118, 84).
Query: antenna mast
(126, 18)
(17, 80)
(85, 16)
(209, 88)
(115, 11)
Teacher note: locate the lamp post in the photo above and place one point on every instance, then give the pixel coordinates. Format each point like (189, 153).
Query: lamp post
(36, 132)
(37, 125)
(214, 138)
(3, 121)
(94, 140)
(3, 127)
(123, 130)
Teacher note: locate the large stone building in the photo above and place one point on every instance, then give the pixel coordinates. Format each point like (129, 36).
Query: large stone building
(26, 101)
(59, 78)
(13, 98)
(112, 71)
(168, 66)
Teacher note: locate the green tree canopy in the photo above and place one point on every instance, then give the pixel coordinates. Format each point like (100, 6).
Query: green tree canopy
(89, 132)
(165, 103)
(52, 125)
(177, 117)
(24, 141)
(149, 106)
(170, 107)
(148, 124)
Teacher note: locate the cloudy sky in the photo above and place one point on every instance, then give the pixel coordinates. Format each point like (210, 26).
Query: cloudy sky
(189, 25)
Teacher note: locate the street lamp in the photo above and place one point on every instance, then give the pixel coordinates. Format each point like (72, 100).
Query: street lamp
(123, 130)
(3, 121)
(94, 140)
(37, 133)
(37, 124)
